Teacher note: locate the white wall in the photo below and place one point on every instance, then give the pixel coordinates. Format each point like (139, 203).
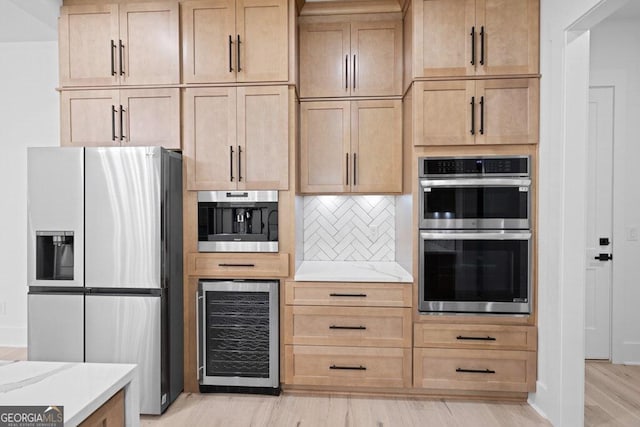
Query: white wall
(29, 116)
(615, 60)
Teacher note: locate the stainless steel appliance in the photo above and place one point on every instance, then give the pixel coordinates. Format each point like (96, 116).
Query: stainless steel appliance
(474, 192)
(475, 271)
(105, 261)
(238, 336)
(238, 221)
(475, 245)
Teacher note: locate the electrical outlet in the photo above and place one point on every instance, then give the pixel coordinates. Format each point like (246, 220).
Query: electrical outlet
(3, 308)
(632, 233)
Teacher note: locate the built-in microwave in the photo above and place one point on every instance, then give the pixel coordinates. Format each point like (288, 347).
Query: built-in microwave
(238, 221)
(474, 193)
(475, 272)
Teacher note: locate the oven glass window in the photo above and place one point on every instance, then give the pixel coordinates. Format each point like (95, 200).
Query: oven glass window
(476, 270)
(475, 202)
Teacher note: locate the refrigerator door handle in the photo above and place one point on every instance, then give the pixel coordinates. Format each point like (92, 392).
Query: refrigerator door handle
(199, 367)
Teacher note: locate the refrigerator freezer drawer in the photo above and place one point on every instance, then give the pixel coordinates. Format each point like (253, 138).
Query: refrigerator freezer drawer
(55, 327)
(127, 329)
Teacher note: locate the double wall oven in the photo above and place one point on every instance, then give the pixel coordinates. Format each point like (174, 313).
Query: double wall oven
(475, 234)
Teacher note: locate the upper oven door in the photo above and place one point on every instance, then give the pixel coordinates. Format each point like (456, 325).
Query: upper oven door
(478, 203)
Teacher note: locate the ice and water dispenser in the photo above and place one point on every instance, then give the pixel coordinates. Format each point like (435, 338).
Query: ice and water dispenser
(54, 255)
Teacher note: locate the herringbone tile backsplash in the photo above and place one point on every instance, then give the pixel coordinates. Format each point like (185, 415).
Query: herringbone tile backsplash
(349, 228)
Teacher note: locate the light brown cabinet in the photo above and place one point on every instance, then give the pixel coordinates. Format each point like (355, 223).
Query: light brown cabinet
(110, 414)
(348, 339)
(119, 44)
(351, 146)
(459, 112)
(228, 41)
(127, 117)
(475, 37)
(237, 138)
(350, 59)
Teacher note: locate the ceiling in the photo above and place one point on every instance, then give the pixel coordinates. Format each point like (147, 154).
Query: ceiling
(630, 11)
(29, 20)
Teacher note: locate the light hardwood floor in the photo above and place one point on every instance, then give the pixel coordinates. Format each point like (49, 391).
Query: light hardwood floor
(612, 398)
(612, 395)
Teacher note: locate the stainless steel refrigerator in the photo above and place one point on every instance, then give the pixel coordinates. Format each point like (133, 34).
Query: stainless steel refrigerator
(105, 262)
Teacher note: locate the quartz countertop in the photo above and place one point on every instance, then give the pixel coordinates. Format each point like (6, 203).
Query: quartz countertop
(80, 388)
(352, 271)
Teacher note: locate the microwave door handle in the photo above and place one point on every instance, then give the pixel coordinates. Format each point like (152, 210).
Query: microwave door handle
(474, 236)
(483, 182)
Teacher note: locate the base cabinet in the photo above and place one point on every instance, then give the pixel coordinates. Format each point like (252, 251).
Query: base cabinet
(111, 414)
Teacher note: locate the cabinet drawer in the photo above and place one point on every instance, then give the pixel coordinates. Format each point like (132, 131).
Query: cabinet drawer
(490, 370)
(348, 366)
(349, 294)
(504, 337)
(353, 326)
(237, 265)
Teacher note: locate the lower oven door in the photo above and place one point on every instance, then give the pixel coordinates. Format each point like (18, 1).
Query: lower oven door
(475, 272)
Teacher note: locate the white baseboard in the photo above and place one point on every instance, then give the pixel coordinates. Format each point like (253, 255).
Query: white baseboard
(542, 392)
(13, 337)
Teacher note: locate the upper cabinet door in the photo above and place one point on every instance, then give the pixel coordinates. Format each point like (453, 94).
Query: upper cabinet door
(88, 38)
(208, 41)
(150, 46)
(376, 55)
(151, 117)
(508, 38)
(325, 153)
(262, 41)
(443, 40)
(263, 138)
(210, 147)
(508, 111)
(324, 60)
(89, 118)
(376, 146)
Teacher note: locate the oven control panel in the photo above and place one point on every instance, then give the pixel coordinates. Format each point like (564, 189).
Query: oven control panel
(474, 166)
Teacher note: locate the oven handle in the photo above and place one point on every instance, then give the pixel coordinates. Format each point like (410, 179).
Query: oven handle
(474, 236)
(485, 182)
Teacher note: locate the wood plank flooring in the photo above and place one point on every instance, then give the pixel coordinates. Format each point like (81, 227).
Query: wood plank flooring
(612, 395)
(612, 398)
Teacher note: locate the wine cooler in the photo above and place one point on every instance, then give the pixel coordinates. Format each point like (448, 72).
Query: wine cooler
(238, 348)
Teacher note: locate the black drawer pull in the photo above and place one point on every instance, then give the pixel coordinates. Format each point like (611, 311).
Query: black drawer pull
(348, 295)
(351, 368)
(236, 265)
(361, 328)
(487, 338)
(476, 371)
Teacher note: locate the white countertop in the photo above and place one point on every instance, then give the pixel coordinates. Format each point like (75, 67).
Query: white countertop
(352, 271)
(80, 387)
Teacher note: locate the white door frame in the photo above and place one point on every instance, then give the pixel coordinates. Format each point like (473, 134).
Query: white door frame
(573, 231)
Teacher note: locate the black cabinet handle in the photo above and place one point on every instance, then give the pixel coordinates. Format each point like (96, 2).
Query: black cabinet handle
(487, 338)
(121, 55)
(476, 371)
(355, 171)
(473, 115)
(113, 123)
(473, 45)
(352, 368)
(354, 71)
(231, 163)
(482, 45)
(236, 265)
(239, 68)
(348, 295)
(239, 163)
(230, 53)
(481, 115)
(113, 58)
(603, 257)
(122, 111)
(358, 328)
(346, 72)
(347, 163)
